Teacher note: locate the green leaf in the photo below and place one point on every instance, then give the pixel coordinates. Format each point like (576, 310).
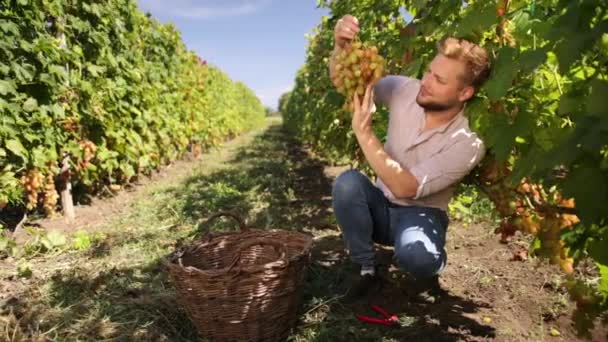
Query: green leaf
(596, 102)
(4, 69)
(9, 27)
(95, 70)
(6, 87)
(531, 59)
(598, 249)
(521, 25)
(30, 105)
(24, 269)
(544, 139)
(479, 17)
(572, 47)
(91, 167)
(30, 137)
(6, 243)
(502, 75)
(58, 111)
(127, 170)
(23, 72)
(569, 104)
(56, 239)
(15, 146)
(41, 156)
(502, 143)
(524, 123)
(535, 246)
(82, 240)
(603, 286)
(105, 154)
(588, 187)
(59, 72)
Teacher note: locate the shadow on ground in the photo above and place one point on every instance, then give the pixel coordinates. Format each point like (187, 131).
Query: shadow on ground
(273, 183)
(330, 275)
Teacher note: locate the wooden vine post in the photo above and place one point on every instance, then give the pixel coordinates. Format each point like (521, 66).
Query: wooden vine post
(67, 203)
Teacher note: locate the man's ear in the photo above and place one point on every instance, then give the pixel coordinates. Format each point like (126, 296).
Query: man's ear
(466, 93)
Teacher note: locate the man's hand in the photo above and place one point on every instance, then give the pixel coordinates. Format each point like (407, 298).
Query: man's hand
(345, 31)
(362, 114)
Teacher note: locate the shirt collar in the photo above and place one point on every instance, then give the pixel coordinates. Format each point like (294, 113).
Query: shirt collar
(441, 129)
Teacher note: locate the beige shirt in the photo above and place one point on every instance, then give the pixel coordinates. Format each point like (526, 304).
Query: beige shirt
(439, 158)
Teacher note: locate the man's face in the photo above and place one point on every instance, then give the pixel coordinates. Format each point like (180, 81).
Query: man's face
(442, 86)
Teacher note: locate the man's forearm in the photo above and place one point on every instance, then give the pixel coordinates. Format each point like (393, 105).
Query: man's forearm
(400, 181)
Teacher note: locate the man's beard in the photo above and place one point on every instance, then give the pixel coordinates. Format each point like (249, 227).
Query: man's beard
(434, 106)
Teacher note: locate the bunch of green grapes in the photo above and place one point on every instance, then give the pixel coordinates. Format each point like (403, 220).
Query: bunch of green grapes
(532, 209)
(49, 201)
(88, 152)
(357, 66)
(32, 180)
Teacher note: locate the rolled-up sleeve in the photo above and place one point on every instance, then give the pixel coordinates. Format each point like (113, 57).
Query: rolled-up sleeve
(385, 88)
(447, 166)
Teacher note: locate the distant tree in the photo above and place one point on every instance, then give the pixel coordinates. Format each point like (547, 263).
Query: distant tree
(283, 99)
(269, 111)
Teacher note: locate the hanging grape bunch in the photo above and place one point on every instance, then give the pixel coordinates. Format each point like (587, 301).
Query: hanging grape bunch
(88, 152)
(357, 66)
(32, 180)
(532, 209)
(51, 196)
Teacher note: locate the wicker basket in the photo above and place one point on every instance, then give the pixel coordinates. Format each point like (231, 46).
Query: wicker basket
(241, 286)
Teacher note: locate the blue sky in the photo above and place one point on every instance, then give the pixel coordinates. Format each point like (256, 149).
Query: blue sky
(259, 42)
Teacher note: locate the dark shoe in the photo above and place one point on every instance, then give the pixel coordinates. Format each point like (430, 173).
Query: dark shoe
(425, 291)
(362, 285)
(427, 297)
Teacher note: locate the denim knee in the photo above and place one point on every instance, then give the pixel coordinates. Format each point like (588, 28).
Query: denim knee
(415, 259)
(348, 186)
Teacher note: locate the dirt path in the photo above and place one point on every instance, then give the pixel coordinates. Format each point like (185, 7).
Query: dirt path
(116, 289)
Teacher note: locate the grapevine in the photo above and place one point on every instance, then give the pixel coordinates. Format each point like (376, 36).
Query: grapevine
(68, 91)
(539, 113)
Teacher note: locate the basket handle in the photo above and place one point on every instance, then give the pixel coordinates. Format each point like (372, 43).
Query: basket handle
(282, 261)
(212, 218)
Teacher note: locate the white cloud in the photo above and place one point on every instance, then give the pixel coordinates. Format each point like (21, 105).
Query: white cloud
(202, 9)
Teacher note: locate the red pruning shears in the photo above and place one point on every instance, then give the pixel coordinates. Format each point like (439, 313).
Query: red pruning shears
(388, 320)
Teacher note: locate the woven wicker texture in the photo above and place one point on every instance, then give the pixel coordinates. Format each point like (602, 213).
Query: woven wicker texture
(241, 286)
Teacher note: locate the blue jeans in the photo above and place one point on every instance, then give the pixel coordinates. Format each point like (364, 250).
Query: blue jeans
(366, 216)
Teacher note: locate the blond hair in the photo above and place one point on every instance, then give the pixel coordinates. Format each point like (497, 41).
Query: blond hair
(474, 56)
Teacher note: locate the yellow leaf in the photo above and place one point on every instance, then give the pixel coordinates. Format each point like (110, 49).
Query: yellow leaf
(554, 332)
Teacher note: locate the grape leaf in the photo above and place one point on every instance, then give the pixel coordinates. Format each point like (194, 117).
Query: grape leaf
(603, 286)
(56, 238)
(588, 186)
(480, 17)
(598, 249)
(531, 59)
(6, 87)
(502, 74)
(30, 105)
(16, 147)
(596, 102)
